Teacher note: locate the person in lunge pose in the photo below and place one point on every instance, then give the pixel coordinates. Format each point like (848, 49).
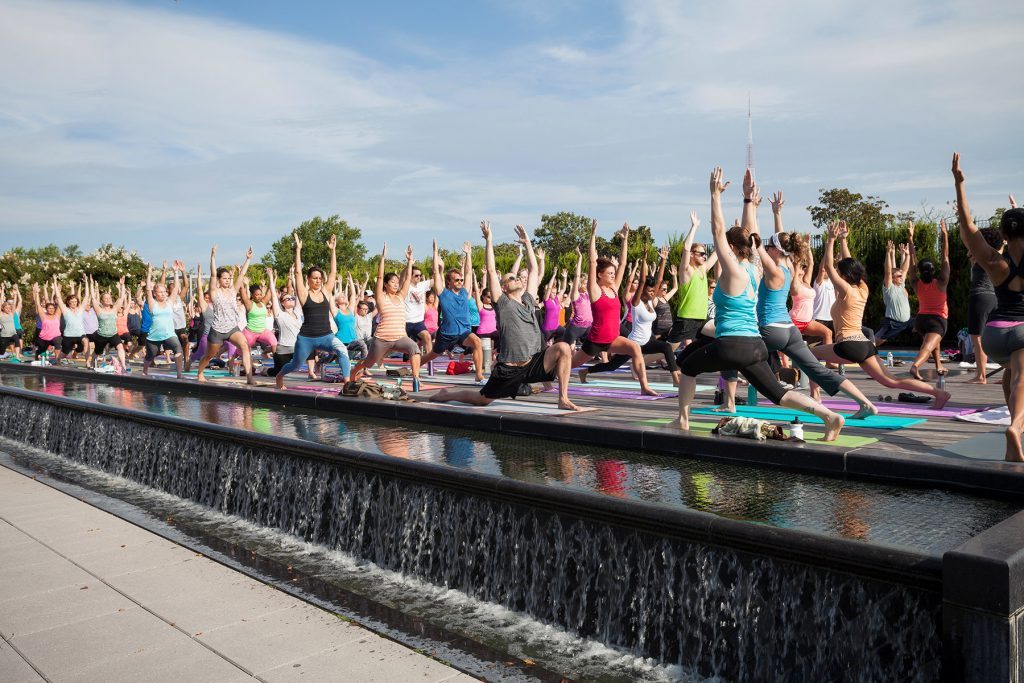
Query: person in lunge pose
(1003, 336)
(851, 346)
(981, 301)
(694, 265)
(737, 344)
(932, 309)
(894, 294)
(603, 282)
(224, 325)
(521, 359)
(391, 291)
(48, 316)
(106, 313)
(453, 301)
(161, 330)
(73, 338)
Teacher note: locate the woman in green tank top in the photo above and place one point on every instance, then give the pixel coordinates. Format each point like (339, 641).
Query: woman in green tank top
(692, 311)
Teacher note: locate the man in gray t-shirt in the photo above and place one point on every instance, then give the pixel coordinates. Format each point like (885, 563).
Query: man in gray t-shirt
(894, 295)
(521, 356)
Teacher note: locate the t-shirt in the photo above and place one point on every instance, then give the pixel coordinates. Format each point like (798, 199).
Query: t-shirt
(824, 297)
(454, 312)
(519, 336)
(415, 301)
(897, 303)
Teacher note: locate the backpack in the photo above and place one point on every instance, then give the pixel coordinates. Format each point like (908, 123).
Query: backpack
(360, 389)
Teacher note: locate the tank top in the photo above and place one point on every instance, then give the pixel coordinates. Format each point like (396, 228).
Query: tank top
(256, 318)
(693, 302)
(736, 314)
(392, 318)
(430, 319)
(162, 326)
(346, 323)
(643, 321)
(1009, 304)
(848, 312)
(74, 323)
(551, 310)
(49, 328)
(606, 319)
(824, 297)
(225, 317)
(771, 303)
(316, 316)
(7, 326)
(803, 305)
(582, 315)
(930, 299)
(121, 324)
(107, 323)
(663, 322)
(488, 321)
(981, 284)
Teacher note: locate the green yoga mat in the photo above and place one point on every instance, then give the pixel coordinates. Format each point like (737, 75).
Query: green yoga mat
(844, 440)
(786, 415)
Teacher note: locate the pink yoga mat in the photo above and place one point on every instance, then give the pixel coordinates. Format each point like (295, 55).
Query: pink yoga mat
(892, 408)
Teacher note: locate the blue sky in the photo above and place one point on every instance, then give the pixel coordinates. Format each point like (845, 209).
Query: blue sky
(170, 126)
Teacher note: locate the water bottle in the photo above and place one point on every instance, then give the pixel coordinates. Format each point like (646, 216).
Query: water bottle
(751, 395)
(415, 385)
(888, 359)
(842, 369)
(796, 429)
(942, 381)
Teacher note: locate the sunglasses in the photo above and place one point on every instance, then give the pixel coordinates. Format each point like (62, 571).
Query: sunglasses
(699, 253)
(458, 279)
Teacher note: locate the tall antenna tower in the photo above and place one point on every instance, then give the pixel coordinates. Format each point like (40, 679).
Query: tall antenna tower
(750, 138)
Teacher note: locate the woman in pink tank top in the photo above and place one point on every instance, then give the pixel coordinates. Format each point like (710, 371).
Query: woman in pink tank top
(802, 291)
(603, 282)
(932, 318)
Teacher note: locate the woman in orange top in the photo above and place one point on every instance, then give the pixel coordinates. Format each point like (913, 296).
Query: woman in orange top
(851, 345)
(932, 311)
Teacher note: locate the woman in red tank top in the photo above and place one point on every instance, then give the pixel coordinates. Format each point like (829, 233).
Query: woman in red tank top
(932, 311)
(603, 282)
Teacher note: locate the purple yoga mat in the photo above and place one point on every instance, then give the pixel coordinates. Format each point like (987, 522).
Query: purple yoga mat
(604, 392)
(892, 408)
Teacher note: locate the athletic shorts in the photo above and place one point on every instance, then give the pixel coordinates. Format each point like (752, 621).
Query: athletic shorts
(103, 342)
(593, 349)
(215, 337)
(155, 347)
(6, 342)
(800, 325)
(412, 330)
(42, 345)
(181, 332)
(685, 328)
(891, 329)
(574, 333)
(1001, 342)
(265, 338)
(447, 342)
(506, 379)
(69, 344)
(380, 348)
(926, 323)
(855, 350)
(979, 308)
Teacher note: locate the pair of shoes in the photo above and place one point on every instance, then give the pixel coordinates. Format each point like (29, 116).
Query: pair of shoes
(786, 386)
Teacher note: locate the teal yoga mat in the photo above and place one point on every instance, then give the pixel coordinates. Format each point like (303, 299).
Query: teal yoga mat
(786, 415)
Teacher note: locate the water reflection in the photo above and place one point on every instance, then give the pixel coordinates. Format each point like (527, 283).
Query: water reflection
(927, 519)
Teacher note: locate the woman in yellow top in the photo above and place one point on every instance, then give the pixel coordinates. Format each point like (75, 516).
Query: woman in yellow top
(851, 346)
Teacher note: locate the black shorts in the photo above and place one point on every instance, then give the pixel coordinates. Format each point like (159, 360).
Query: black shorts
(413, 329)
(155, 347)
(573, 334)
(447, 342)
(69, 344)
(7, 342)
(748, 355)
(979, 308)
(505, 379)
(103, 342)
(43, 345)
(926, 323)
(592, 348)
(685, 328)
(855, 351)
(181, 332)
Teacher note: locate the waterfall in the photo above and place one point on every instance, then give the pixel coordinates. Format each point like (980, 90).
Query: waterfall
(719, 611)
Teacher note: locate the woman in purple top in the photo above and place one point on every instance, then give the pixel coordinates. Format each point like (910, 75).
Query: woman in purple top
(582, 316)
(553, 294)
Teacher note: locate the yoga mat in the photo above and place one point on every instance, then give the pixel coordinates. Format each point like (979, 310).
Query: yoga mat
(844, 440)
(510, 406)
(993, 416)
(207, 373)
(893, 408)
(787, 415)
(989, 446)
(630, 384)
(603, 392)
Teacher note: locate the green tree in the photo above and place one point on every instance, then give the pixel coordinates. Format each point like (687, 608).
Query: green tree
(560, 234)
(859, 212)
(314, 233)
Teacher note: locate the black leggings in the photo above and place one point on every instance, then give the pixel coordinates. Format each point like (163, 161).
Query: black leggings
(280, 360)
(652, 346)
(748, 355)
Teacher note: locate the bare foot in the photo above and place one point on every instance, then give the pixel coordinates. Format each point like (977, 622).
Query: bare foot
(725, 408)
(567, 405)
(941, 399)
(978, 380)
(583, 375)
(1014, 452)
(915, 372)
(199, 377)
(439, 397)
(680, 423)
(649, 392)
(865, 411)
(250, 380)
(833, 425)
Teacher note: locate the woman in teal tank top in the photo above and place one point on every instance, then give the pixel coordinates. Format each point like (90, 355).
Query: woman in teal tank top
(737, 344)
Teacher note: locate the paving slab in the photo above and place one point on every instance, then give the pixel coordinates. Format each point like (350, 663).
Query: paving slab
(14, 669)
(70, 604)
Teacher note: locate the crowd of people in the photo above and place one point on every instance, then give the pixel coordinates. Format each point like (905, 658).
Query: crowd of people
(752, 306)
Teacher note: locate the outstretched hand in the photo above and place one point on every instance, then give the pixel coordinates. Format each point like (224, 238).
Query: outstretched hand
(755, 196)
(332, 242)
(910, 231)
(624, 231)
(833, 231)
(748, 183)
(844, 231)
(717, 187)
(1013, 202)
(467, 248)
(485, 229)
(673, 270)
(663, 253)
(890, 247)
(942, 226)
(777, 202)
(521, 236)
(958, 175)
(694, 219)
(298, 242)
(248, 253)
(408, 252)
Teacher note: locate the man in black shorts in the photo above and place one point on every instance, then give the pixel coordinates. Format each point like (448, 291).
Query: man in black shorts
(521, 358)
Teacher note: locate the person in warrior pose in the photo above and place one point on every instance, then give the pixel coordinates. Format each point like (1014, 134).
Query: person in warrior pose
(894, 295)
(932, 308)
(522, 360)
(1003, 336)
(694, 266)
(48, 316)
(106, 313)
(73, 338)
(737, 344)
(161, 330)
(224, 324)
(981, 301)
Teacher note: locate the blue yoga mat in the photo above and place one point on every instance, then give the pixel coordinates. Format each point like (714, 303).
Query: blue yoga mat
(785, 414)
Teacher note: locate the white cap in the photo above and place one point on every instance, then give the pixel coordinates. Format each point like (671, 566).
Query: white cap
(773, 241)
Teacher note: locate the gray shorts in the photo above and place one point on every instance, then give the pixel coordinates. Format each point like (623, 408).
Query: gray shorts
(1000, 342)
(380, 348)
(215, 337)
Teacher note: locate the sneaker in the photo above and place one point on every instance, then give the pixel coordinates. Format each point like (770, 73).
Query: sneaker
(480, 382)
